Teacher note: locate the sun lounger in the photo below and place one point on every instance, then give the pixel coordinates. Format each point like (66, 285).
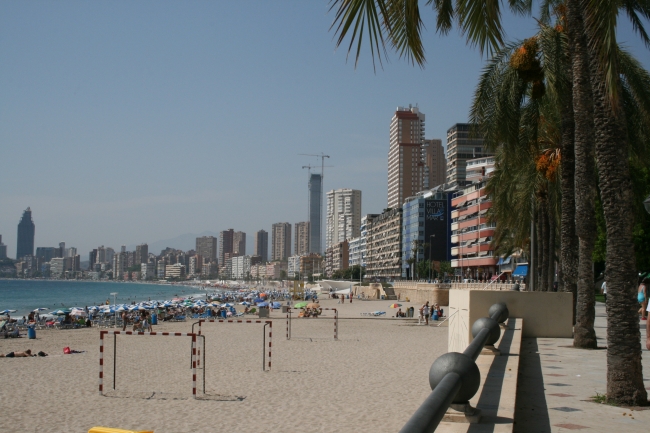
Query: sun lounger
(378, 313)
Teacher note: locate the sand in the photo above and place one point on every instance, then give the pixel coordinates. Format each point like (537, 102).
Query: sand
(371, 380)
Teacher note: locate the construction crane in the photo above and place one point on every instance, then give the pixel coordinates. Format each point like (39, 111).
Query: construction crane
(322, 157)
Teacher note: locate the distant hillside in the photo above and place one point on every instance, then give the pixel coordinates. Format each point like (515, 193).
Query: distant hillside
(183, 242)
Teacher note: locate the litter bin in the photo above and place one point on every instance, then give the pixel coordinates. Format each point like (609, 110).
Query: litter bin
(154, 319)
(264, 312)
(285, 309)
(410, 311)
(383, 297)
(31, 333)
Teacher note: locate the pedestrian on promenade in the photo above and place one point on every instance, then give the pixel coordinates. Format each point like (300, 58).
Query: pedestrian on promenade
(603, 290)
(425, 313)
(642, 296)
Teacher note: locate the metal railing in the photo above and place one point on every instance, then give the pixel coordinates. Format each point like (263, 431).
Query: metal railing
(454, 377)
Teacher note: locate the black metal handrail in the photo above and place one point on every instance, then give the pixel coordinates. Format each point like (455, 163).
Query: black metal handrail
(454, 377)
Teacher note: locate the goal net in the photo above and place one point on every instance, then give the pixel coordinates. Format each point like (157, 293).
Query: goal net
(156, 365)
(231, 353)
(325, 327)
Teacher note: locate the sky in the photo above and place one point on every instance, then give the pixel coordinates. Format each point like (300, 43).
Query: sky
(125, 122)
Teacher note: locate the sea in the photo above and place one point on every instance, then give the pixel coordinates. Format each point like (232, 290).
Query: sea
(26, 295)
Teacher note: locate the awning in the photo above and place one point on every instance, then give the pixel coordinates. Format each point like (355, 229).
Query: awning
(484, 211)
(462, 218)
(468, 243)
(482, 239)
(503, 261)
(482, 253)
(521, 271)
(461, 204)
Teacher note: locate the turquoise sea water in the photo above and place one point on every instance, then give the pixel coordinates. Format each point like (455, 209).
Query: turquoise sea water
(26, 295)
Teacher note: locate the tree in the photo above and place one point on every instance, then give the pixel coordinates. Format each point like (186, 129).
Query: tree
(423, 268)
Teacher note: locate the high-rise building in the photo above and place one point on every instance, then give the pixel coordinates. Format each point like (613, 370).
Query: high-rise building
(343, 216)
(462, 146)
(239, 243)
(26, 230)
(315, 212)
(405, 164)
(280, 241)
(301, 242)
(225, 244)
(435, 164)
(3, 249)
(141, 254)
(384, 245)
(45, 254)
(262, 245)
(206, 247)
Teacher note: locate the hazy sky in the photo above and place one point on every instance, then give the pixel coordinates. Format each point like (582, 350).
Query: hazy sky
(124, 122)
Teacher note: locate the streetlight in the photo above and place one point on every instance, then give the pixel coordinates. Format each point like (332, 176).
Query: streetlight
(114, 315)
(430, 255)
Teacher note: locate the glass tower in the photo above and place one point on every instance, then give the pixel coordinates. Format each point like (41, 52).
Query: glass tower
(315, 212)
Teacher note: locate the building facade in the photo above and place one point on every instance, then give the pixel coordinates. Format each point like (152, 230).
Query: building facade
(280, 241)
(262, 245)
(26, 231)
(405, 165)
(343, 216)
(315, 212)
(239, 243)
(384, 245)
(226, 238)
(293, 266)
(206, 247)
(461, 147)
(472, 233)
(435, 163)
(337, 258)
(301, 238)
(3, 249)
(426, 230)
(141, 253)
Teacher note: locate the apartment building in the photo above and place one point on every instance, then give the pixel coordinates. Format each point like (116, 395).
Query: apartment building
(384, 245)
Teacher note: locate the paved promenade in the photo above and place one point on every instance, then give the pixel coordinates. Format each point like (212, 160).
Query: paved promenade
(556, 383)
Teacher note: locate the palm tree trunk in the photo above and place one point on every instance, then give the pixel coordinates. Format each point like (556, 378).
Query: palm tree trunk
(544, 242)
(551, 247)
(540, 247)
(568, 238)
(585, 192)
(624, 372)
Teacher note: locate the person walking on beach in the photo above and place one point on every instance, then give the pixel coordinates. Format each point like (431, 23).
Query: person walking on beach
(124, 320)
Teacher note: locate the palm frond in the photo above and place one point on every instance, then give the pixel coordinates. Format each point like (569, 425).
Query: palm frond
(406, 30)
(445, 14)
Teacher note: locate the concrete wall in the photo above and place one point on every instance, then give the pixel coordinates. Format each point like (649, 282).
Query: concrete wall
(547, 314)
(372, 291)
(422, 292)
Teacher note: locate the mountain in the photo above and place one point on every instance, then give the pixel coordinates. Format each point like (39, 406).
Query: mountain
(183, 242)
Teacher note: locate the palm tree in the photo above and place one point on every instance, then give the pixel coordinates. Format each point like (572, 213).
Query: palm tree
(398, 24)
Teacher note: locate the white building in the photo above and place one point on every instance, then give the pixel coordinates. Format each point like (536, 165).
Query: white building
(293, 266)
(174, 271)
(57, 267)
(147, 270)
(343, 216)
(357, 253)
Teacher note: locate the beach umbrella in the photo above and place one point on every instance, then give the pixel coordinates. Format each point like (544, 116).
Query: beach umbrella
(78, 313)
(61, 312)
(39, 309)
(395, 305)
(228, 304)
(244, 303)
(7, 311)
(263, 304)
(258, 300)
(300, 305)
(276, 305)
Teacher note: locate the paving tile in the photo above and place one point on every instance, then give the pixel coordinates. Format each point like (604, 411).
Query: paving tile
(566, 409)
(571, 426)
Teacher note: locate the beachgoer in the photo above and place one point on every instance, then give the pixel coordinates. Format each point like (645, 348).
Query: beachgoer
(642, 297)
(420, 315)
(124, 320)
(26, 354)
(425, 313)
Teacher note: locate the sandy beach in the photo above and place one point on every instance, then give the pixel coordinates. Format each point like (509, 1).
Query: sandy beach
(371, 380)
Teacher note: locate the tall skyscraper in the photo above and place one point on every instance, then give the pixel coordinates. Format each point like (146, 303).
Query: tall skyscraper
(206, 247)
(435, 164)
(461, 146)
(280, 241)
(26, 230)
(225, 244)
(315, 212)
(343, 216)
(405, 165)
(262, 245)
(301, 242)
(239, 243)
(141, 254)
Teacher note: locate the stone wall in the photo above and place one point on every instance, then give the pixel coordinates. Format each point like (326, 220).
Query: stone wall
(435, 293)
